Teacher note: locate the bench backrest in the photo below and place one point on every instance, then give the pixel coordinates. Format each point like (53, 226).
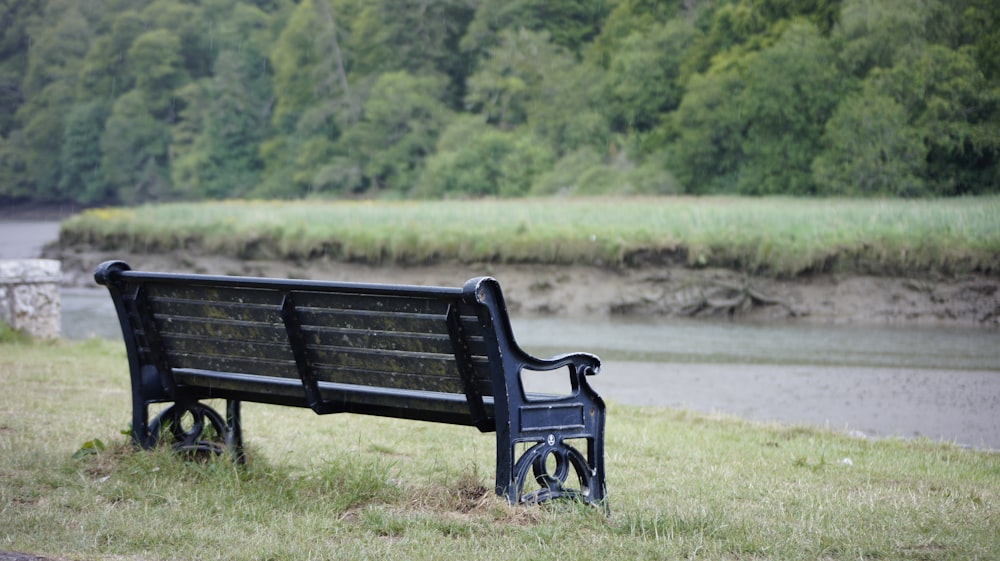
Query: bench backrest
(430, 353)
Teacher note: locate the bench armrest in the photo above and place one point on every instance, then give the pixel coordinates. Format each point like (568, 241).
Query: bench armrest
(582, 363)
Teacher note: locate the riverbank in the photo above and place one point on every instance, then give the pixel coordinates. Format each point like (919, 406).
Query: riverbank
(826, 260)
(662, 291)
(578, 291)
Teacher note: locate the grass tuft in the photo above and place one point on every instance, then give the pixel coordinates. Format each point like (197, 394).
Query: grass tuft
(770, 236)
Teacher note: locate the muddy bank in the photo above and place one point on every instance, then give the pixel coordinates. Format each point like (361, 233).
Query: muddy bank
(650, 290)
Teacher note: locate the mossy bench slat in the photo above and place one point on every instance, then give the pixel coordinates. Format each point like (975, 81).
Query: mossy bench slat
(435, 354)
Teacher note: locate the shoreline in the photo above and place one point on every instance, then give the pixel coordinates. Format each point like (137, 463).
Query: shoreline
(661, 291)
(650, 291)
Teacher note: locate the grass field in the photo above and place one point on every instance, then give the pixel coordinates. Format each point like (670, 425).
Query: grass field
(681, 485)
(768, 236)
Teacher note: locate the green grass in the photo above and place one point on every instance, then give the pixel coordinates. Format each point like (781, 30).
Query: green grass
(769, 236)
(681, 485)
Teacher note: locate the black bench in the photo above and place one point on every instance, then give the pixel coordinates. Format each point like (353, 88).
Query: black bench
(435, 354)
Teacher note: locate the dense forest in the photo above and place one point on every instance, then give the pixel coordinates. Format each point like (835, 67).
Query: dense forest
(132, 101)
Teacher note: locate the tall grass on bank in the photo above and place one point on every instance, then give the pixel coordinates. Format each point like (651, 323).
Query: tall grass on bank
(681, 485)
(770, 236)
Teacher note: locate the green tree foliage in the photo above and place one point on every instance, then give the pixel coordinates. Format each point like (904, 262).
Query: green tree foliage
(402, 119)
(872, 32)
(707, 129)
(529, 80)
(870, 150)
(134, 146)
(792, 88)
(980, 27)
(644, 76)
(15, 16)
(216, 143)
(197, 34)
(473, 160)
(112, 101)
(103, 71)
(155, 63)
(80, 157)
(950, 104)
(570, 23)
(514, 76)
(303, 75)
(415, 36)
(48, 88)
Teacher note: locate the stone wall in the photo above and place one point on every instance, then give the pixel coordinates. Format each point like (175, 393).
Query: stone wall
(29, 296)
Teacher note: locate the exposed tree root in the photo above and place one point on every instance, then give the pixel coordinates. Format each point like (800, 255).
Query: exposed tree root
(726, 298)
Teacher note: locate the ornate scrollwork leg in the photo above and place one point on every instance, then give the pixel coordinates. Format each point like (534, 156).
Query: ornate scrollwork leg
(553, 485)
(190, 426)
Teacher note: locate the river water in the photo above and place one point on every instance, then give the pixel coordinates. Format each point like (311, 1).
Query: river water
(937, 382)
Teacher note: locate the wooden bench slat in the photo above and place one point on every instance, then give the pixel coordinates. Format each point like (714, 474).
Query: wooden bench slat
(390, 379)
(387, 340)
(249, 365)
(220, 347)
(197, 292)
(367, 302)
(222, 329)
(377, 375)
(382, 340)
(373, 320)
(253, 313)
(430, 364)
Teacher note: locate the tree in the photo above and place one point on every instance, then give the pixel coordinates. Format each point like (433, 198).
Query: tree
(570, 23)
(477, 160)
(706, 150)
(48, 86)
(156, 63)
(644, 76)
(310, 104)
(981, 29)
(824, 14)
(513, 77)
(950, 103)
(746, 26)
(792, 88)
(81, 177)
(402, 119)
(870, 149)
(223, 161)
(215, 143)
(134, 148)
(415, 36)
(872, 32)
(302, 77)
(16, 16)
(103, 72)
(197, 34)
